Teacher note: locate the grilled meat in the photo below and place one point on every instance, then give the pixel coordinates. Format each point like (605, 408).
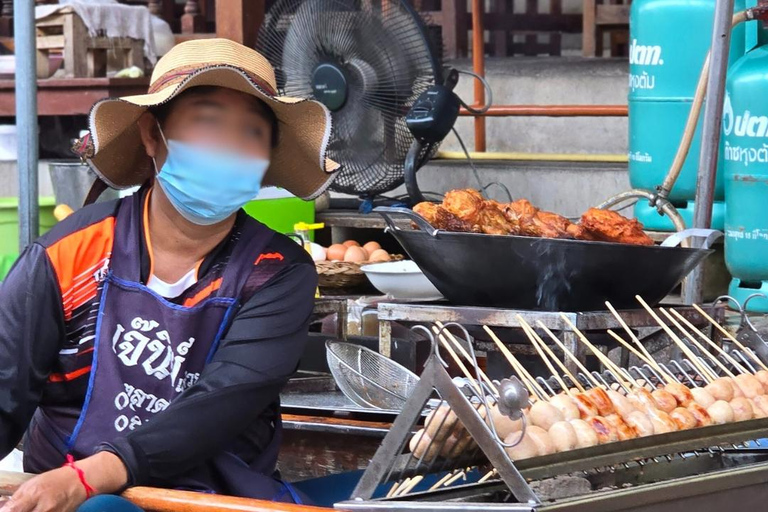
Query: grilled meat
(469, 206)
(466, 210)
(441, 218)
(609, 226)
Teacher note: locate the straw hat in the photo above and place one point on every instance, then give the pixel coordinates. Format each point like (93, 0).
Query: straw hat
(298, 162)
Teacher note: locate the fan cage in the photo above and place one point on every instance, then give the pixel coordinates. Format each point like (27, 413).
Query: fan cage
(388, 55)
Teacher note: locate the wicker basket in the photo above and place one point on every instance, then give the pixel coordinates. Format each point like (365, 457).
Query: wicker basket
(344, 275)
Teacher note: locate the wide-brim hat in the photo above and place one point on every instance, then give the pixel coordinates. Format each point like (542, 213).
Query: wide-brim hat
(298, 162)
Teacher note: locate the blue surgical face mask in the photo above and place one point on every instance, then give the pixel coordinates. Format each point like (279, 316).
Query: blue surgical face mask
(208, 185)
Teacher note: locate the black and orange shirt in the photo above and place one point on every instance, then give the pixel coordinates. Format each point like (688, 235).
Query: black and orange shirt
(48, 310)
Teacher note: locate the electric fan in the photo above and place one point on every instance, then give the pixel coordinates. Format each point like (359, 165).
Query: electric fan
(375, 66)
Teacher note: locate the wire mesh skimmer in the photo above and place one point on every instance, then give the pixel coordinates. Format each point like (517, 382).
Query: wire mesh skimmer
(369, 379)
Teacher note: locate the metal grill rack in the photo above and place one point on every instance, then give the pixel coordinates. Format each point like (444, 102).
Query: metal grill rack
(706, 468)
(507, 318)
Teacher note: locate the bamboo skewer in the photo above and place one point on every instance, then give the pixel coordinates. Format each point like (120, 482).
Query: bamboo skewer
(405, 489)
(643, 357)
(461, 366)
(570, 355)
(705, 371)
(525, 375)
(534, 339)
(624, 343)
(609, 365)
(443, 480)
(487, 476)
(696, 343)
(649, 358)
(519, 368)
(455, 477)
(730, 336)
(711, 343)
(395, 487)
(463, 352)
(559, 363)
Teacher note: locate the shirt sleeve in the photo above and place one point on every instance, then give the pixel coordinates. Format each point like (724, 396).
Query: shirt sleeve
(31, 334)
(260, 351)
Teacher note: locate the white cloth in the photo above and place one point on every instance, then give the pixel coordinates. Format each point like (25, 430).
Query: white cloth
(13, 462)
(111, 18)
(172, 290)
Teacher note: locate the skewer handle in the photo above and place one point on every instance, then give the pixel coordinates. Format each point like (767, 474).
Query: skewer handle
(696, 343)
(516, 365)
(609, 365)
(730, 336)
(706, 372)
(711, 343)
(559, 363)
(534, 339)
(570, 354)
(648, 357)
(438, 326)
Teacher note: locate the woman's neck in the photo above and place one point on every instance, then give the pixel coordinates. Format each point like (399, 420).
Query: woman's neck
(176, 245)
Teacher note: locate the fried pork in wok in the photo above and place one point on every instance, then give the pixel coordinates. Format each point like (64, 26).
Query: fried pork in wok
(609, 226)
(467, 211)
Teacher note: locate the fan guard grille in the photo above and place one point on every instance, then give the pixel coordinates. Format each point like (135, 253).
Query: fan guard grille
(388, 58)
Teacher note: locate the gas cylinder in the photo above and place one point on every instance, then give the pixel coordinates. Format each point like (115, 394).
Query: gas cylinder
(745, 166)
(669, 40)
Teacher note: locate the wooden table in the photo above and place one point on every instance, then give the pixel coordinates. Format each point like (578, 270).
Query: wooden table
(68, 97)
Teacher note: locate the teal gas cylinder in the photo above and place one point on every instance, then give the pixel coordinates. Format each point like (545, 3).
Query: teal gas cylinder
(669, 40)
(745, 166)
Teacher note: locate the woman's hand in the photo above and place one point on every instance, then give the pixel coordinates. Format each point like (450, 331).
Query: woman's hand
(59, 490)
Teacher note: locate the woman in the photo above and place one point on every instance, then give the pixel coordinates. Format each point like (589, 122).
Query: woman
(147, 339)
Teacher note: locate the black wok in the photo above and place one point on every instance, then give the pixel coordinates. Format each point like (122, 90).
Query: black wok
(541, 273)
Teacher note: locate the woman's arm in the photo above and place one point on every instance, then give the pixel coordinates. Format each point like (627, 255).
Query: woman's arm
(31, 334)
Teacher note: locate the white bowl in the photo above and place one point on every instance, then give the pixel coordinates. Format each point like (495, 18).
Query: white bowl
(401, 280)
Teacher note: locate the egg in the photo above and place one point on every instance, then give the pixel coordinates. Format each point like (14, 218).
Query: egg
(350, 243)
(371, 247)
(355, 254)
(317, 251)
(336, 252)
(380, 255)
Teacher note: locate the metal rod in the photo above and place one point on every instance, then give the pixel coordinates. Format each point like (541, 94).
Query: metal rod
(478, 65)
(550, 111)
(710, 137)
(26, 119)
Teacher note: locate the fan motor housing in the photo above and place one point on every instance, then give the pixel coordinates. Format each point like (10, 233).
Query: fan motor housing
(433, 114)
(330, 86)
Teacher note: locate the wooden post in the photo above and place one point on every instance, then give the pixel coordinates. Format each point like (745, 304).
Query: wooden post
(6, 18)
(589, 35)
(499, 38)
(239, 20)
(75, 53)
(192, 21)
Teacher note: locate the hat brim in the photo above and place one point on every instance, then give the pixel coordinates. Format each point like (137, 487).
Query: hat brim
(298, 162)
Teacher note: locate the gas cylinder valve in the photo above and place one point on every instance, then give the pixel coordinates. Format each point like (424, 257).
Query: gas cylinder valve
(759, 12)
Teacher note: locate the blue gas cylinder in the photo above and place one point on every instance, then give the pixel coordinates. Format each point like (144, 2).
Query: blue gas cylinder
(669, 40)
(745, 136)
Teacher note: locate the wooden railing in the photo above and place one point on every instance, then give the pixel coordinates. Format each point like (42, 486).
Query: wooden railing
(539, 23)
(195, 16)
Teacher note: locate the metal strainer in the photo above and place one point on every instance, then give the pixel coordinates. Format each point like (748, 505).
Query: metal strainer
(369, 379)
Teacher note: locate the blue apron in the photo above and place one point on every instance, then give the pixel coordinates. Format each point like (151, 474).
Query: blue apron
(148, 350)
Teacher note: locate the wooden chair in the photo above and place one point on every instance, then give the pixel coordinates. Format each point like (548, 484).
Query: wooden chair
(601, 16)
